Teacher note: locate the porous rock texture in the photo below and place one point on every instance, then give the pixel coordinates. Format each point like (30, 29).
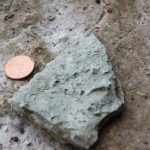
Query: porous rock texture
(74, 95)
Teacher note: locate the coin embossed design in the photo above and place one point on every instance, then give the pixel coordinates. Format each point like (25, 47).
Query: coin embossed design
(19, 67)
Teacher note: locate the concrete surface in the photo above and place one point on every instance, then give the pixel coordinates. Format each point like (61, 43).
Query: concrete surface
(124, 28)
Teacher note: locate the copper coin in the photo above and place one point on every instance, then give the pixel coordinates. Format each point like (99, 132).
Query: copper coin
(19, 67)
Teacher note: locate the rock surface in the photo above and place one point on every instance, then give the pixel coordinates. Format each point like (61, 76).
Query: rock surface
(74, 95)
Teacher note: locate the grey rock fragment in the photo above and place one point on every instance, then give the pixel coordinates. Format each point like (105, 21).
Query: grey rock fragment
(74, 95)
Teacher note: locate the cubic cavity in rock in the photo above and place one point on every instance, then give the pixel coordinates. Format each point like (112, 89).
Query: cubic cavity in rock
(74, 95)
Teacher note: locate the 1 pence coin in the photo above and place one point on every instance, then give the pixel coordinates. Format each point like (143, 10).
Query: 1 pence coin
(19, 67)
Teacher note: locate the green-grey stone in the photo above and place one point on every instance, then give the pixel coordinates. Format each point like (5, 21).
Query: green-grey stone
(74, 95)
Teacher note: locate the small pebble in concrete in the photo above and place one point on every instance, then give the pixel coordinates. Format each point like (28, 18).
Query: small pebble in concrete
(98, 1)
(22, 130)
(51, 18)
(9, 16)
(14, 139)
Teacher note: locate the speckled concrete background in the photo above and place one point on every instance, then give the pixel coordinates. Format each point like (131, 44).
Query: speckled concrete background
(27, 27)
(40, 29)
